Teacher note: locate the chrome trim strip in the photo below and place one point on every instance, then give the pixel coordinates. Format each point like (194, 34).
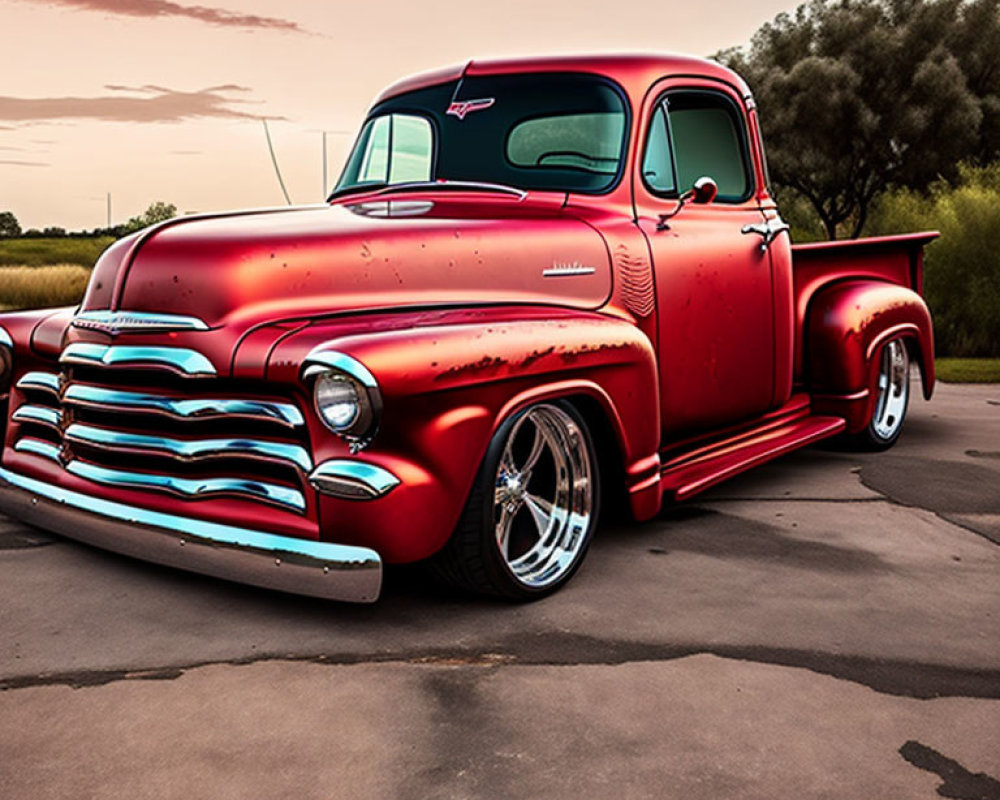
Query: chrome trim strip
(567, 272)
(196, 408)
(115, 321)
(45, 381)
(41, 415)
(5, 338)
(320, 360)
(190, 487)
(38, 447)
(190, 449)
(352, 480)
(180, 359)
(301, 566)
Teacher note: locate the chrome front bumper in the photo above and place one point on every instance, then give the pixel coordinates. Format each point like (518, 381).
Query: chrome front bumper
(288, 564)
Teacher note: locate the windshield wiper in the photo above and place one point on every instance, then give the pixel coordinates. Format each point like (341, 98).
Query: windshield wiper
(357, 188)
(422, 186)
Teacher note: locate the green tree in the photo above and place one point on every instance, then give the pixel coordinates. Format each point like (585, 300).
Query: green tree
(9, 226)
(859, 96)
(157, 212)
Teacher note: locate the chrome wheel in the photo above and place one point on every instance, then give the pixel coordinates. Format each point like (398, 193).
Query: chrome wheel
(532, 509)
(543, 500)
(893, 392)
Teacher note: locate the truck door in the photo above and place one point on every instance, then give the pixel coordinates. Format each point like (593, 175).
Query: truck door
(713, 279)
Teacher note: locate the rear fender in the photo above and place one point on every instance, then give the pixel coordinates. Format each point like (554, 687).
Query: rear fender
(847, 325)
(447, 388)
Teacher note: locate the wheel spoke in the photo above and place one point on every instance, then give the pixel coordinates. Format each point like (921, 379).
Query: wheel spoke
(541, 511)
(537, 445)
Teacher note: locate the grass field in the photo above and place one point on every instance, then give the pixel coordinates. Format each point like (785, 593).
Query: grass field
(46, 252)
(39, 287)
(968, 370)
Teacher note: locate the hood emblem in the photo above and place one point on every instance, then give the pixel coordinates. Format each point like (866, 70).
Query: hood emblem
(114, 322)
(460, 108)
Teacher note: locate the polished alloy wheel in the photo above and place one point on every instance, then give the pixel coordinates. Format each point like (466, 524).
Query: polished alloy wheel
(532, 509)
(543, 499)
(893, 392)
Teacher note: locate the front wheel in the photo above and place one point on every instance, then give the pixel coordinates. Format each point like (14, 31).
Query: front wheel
(532, 510)
(892, 395)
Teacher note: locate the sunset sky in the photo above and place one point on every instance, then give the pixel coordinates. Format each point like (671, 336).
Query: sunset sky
(162, 99)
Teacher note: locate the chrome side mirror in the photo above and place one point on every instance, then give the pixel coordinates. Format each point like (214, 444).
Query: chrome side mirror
(702, 193)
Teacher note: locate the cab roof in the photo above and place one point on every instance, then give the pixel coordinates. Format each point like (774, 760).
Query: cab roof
(634, 72)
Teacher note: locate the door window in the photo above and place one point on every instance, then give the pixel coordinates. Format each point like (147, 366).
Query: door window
(694, 134)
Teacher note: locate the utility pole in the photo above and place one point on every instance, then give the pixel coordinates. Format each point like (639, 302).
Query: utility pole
(109, 210)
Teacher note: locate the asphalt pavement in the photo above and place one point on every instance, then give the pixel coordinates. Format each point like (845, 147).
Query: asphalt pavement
(827, 626)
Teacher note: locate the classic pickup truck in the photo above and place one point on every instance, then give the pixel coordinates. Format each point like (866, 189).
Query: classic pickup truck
(538, 284)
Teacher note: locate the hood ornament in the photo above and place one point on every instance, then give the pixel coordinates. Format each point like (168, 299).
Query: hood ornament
(459, 108)
(115, 322)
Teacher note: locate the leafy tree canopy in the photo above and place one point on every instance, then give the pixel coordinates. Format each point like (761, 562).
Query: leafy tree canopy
(9, 226)
(157, 212)
(858, 96)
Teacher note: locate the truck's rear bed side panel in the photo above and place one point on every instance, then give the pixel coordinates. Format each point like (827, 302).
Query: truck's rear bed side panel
(892, 259)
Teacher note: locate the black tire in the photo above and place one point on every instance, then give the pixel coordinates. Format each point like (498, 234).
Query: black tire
(891, 400)
(541, 451)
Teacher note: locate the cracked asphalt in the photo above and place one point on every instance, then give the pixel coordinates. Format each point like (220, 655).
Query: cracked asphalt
(827, 626)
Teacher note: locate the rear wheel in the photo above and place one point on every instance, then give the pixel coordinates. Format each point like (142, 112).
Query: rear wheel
(531, 513)
(892, 396)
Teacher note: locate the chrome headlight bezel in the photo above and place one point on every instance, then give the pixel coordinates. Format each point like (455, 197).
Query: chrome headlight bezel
(328, 369)
(6, 360)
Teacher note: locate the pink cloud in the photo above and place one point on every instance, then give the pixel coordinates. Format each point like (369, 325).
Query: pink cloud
(24, 163)
(165, 8)
(155, 104)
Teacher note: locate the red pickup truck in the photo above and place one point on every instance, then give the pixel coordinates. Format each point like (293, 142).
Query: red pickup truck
(537, 284)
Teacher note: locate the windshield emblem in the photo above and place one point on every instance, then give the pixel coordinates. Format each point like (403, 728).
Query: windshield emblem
(460, 108)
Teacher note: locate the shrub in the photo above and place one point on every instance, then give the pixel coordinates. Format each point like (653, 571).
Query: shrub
(962, 268)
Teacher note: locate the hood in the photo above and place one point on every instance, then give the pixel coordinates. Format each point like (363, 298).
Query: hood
(245, 269)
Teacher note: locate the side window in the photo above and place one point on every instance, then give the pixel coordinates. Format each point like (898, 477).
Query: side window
(658, 163)
(703, 136)
(393, 148)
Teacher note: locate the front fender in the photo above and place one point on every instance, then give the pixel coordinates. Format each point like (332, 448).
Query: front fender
(847, 325)
(447, 387)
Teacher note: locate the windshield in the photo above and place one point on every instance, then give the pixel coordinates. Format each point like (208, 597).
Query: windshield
(552, 132)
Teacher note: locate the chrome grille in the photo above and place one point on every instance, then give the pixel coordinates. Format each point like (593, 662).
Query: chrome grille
(158, 419)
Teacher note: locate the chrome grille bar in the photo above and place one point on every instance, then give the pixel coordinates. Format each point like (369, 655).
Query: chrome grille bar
(38, 447)
(44, 381)
(186, 362)
(42, 415)
(190, 449)
(190, 487)
(196, 408)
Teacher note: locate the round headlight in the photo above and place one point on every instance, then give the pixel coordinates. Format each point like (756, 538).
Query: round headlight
(340, 402)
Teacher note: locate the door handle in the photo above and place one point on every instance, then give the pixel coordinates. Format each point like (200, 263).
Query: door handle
(769, 231)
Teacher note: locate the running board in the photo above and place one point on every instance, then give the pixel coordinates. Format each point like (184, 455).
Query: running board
(687, 476)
